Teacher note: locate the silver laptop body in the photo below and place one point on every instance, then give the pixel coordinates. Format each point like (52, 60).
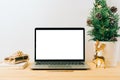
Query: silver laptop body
(59, 49)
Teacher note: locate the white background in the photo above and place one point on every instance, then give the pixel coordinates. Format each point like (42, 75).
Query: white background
(18, 18)
(59, 44)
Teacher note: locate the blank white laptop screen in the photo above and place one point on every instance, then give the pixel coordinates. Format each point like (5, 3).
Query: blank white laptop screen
(59, 44)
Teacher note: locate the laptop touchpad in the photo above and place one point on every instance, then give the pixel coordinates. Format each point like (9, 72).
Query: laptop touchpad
(59, 66)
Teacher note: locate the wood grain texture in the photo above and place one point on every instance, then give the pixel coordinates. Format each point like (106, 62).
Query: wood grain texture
(93, 74)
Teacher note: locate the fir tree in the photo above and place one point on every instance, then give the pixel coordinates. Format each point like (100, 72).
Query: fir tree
(104, 22)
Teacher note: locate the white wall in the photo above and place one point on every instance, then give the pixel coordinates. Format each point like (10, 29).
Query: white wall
(18, 18)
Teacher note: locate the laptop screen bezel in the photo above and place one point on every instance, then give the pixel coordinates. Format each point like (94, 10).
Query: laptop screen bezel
(60, 29)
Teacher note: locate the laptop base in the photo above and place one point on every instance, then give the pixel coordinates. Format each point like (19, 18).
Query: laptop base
(60, 67)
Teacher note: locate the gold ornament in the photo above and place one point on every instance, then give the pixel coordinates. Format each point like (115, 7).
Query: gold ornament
(99, 6)
(107, 29)
(99, 60)
(19, 53)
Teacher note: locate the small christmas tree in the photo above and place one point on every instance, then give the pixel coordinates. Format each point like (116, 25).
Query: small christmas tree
(104, 22)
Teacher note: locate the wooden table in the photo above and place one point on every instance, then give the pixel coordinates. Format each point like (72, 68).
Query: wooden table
(93, 74)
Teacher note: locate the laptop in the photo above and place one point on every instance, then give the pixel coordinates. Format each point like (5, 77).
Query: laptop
(59, 49)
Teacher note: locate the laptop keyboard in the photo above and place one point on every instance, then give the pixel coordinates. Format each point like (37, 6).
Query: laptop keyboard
(59, 63)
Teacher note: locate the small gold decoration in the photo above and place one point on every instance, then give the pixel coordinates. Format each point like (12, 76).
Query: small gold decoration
(99, 6)
(19, 53)
(99, 60)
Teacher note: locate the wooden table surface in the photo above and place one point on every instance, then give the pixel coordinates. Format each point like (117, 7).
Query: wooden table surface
(93, 74)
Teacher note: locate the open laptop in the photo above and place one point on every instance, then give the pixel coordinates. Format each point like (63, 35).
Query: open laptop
(59, 49)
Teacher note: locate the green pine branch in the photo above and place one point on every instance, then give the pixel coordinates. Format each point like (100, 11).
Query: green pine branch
(104, 22)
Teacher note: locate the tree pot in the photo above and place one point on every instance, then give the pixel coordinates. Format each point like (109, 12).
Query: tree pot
(110, 53)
